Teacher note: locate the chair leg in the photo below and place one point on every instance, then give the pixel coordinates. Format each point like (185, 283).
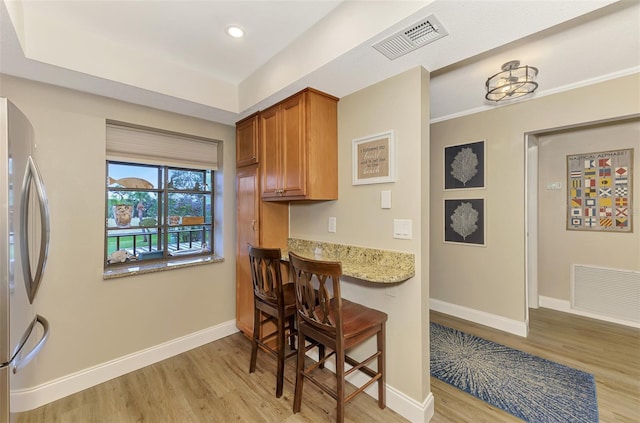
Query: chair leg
(254, 340)
(340, 386)
(281, 346)
(297, 399)
(292, 329)
(381, 338)
(321, 355)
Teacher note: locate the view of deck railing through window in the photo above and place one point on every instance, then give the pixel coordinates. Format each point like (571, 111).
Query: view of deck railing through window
(156, 212)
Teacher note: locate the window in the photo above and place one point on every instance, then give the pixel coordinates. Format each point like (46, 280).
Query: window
(157, 208)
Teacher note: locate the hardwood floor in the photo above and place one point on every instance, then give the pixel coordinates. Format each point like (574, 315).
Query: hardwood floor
(207, 384)
(212, 383)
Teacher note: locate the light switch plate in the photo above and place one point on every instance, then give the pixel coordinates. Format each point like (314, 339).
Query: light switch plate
(402, 228)
(385, 199)
(332, 224)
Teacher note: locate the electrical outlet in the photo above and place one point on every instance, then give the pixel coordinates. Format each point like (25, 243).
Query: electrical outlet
(392, 290)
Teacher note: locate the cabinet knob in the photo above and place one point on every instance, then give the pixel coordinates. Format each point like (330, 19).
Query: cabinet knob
(253, 225)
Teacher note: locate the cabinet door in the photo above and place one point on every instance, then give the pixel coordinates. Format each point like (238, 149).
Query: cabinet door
(248, 230)
(247, 142)
(270, 154)
(299, 148)
(293, 147)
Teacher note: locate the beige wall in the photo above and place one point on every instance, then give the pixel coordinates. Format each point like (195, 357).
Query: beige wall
(93, 320)
(558, 248)
(400, 104)
(491, 279)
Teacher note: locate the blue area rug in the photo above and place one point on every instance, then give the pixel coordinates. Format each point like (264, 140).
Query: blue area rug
(529, 387)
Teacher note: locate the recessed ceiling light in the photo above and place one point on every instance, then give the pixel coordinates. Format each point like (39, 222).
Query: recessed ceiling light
(234, 31)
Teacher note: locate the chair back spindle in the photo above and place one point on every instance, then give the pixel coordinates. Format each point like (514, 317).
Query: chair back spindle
(318, 298)
(265, 274)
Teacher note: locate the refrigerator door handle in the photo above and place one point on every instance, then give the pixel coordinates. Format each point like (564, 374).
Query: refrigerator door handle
(33, 281)
(20, 362)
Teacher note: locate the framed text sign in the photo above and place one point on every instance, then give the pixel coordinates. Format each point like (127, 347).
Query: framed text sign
(599, 191)
(374, 159)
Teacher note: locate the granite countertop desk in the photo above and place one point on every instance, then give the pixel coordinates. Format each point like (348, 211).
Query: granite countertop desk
(369, 264)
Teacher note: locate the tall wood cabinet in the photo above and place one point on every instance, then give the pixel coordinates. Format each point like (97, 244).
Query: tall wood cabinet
(258, 223)
(299, 148)
(287, 152)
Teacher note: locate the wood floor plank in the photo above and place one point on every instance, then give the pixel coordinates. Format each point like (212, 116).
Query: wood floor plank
(212, 383)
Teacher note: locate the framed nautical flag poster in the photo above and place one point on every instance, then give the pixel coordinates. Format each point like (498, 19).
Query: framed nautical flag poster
(599, 191)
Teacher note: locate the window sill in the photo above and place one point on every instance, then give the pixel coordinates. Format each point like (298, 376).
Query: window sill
(138, 269)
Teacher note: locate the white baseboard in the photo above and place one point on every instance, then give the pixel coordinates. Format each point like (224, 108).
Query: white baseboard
(396, 400)
(497, 322)
(28, 399)
(407, 407)
(565, 305)
(554, 304)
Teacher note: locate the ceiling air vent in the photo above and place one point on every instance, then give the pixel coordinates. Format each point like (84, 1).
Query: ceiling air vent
(415, 36)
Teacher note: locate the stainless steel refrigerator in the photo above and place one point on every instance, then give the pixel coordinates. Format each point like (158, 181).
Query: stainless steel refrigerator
(24, 240)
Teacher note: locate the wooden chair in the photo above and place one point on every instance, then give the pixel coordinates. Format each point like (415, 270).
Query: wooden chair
(339, 324)
(273, 302)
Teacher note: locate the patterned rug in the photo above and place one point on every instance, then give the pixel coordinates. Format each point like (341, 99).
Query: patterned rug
(529, 387)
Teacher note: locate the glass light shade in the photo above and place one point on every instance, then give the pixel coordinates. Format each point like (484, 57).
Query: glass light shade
(514, 81)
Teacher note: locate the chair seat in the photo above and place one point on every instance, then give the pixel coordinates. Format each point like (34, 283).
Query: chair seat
(358, 322)
(289, 296)
(357, 318)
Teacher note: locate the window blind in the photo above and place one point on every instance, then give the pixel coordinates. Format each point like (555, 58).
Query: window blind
(139, 145)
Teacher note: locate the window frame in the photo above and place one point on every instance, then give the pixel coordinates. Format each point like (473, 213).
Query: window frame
(164, 229)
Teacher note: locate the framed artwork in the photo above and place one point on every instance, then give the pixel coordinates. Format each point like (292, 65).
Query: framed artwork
(374, 159)
(600, 191)
(464, 221)
(464, 166)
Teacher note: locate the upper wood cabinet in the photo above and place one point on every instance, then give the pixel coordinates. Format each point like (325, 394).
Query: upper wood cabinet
(299, 148)
(247, 141)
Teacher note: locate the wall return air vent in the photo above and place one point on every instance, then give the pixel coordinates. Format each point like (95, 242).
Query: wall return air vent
(415, 36)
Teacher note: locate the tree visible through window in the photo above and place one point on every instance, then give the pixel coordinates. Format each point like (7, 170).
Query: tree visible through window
(156, 213)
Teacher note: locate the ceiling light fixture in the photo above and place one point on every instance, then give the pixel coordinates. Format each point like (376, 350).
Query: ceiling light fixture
(514, 81)
(234, 31)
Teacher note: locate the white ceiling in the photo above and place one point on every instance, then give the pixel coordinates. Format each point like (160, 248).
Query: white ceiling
(174, 55)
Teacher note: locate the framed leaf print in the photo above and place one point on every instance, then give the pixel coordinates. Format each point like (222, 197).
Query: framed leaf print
(464, 166)
(464, 221)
